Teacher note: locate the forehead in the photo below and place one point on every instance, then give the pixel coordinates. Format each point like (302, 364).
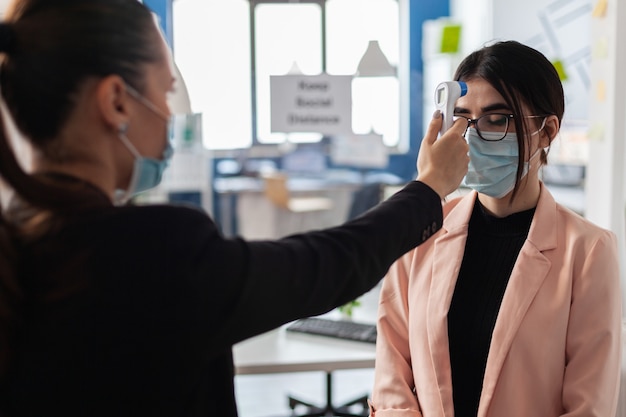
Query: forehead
(480, 95)
(161, 73)
(167, 64)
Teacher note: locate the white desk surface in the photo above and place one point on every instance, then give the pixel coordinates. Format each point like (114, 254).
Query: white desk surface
(238, 185)
(281, 351)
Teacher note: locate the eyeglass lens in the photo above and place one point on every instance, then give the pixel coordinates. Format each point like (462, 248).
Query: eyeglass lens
(492, 126)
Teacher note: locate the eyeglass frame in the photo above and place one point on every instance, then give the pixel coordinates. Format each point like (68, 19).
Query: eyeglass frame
(508, 116)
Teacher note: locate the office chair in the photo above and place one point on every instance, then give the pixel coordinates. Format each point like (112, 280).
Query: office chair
(329, 410)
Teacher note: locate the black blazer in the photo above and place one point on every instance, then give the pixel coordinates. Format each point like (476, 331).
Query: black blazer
(132, 311)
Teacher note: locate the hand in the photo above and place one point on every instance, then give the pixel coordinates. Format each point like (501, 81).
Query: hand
(442, 163)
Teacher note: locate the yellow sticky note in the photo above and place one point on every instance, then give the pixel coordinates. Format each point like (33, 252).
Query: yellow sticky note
(450, 39)
(560, 69)
(601, 48)
(596, 132)
(599, 10)
(601, 91)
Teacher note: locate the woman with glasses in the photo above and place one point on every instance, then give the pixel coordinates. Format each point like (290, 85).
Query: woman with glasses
(513, 308)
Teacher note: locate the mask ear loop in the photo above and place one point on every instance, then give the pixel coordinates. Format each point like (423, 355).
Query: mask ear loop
(538, 151)
(123, 196)
(121, 133)
(543, 125)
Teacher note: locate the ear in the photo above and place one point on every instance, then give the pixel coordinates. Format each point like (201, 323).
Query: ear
(550, 130)
(113, 101)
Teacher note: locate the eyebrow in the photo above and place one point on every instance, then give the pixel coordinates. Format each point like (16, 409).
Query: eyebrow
(486, 109)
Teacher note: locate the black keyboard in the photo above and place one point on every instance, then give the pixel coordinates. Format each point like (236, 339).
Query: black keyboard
(340, 329)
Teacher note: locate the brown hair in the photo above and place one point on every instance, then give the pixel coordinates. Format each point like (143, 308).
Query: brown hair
(522, 75)
(49, 49)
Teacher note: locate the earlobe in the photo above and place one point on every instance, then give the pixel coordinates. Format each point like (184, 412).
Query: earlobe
(112, 101)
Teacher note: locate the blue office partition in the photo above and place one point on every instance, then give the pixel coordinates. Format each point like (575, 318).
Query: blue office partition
(163, 8)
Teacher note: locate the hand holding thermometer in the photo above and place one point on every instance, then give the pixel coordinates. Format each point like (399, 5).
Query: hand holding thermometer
(446, 95)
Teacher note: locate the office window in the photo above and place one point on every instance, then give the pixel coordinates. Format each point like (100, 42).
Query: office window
(212, 51)
(212, 47)
(375, 101)
(285, 35)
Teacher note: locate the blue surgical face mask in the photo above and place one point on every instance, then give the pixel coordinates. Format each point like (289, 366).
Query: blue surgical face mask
(493, 165)
(147, 172)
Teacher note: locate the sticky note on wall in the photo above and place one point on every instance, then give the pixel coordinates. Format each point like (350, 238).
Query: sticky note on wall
(600, 91)
(596, 132)
(560, 69)
(599, 10)
(601, 48)
(450, 39)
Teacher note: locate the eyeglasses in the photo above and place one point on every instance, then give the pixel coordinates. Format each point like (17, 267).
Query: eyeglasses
(492, 127)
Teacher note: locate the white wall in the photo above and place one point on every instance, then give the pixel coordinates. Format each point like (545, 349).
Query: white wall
(605, 187)
(557, 28)
(3, 6)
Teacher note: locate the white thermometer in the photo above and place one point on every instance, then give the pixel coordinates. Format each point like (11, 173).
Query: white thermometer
(446, 95)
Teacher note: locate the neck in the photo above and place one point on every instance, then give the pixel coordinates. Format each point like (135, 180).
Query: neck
(84, 170)
(526, 198)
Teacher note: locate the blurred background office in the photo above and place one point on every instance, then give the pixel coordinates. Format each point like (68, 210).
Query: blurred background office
(245, 62)
(294, 115)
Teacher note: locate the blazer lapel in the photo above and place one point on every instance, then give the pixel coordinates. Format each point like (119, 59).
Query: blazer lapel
(447, 257)
(529, 272)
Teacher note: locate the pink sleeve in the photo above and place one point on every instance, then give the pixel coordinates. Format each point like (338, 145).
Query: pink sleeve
(393, 394)
(594, 343)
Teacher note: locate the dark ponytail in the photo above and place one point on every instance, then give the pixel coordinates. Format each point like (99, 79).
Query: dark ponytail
(7, 38)
(48, 50)
(10, 295)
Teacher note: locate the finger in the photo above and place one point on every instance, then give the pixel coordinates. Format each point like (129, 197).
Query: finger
(459, 127)
(433, 128)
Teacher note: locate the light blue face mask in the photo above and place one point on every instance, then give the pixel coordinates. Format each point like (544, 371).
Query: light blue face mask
(147, 172)
(493, 165)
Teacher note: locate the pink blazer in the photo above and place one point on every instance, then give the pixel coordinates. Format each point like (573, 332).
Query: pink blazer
(556, 345)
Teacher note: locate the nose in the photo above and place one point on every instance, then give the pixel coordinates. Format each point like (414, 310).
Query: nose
(471, 122)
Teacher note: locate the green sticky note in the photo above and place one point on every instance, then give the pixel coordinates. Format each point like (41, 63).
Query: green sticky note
(560, 69)
(596, 132)
(450, 37)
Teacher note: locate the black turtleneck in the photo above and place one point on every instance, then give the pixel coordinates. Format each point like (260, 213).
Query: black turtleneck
(490, 252)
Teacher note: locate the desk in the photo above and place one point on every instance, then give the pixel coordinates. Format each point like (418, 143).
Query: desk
(228, 188)
(258, 218)
(279, 351)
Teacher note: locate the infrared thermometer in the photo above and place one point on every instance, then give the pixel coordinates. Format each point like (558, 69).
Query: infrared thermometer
(446, 95)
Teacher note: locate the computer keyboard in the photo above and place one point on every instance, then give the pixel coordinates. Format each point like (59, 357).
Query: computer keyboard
(340, 329)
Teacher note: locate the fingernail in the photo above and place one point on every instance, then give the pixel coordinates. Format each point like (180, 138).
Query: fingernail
(437, 114)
